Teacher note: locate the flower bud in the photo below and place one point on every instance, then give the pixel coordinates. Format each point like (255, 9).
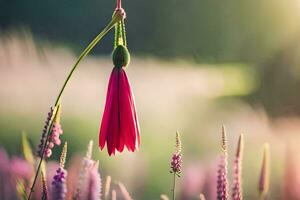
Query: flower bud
(121, 56)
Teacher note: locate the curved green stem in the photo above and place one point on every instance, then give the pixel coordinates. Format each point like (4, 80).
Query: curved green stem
(115, 19)
(84, 53)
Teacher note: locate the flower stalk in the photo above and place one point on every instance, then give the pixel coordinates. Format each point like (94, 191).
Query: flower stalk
(222, 182)
(176, 163)
(237, 171)
(117, 16)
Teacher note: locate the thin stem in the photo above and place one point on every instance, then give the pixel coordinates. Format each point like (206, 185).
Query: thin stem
(116, 18)
(119, 4)
(42, 155)
(82, 56)
(174, 185)
(123, 33)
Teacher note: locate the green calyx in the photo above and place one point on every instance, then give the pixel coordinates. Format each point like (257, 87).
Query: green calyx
(121, 56)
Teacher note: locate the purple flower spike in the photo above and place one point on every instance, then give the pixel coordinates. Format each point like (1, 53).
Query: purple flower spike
(44, 133)
(222, 183)
(56, 131)
(59, 188)
(176, 161)
(237, 171)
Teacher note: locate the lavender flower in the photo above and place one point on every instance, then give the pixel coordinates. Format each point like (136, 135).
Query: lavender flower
(44, 133)
(237, 171)
(59, 189)
(222, 183)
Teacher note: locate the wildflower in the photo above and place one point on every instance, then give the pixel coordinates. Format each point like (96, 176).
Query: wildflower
(264, 179)
(87, 164)
(59, 188)
(176, 162)
(119, 127)
(222, 183)
(237, 173)
(56, 131)
(46, 146)
(44, 133)
(94, 183)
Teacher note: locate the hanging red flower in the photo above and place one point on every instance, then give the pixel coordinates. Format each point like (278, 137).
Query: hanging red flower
(119, 127)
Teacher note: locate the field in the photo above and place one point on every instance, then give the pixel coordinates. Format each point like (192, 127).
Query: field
(171, 95)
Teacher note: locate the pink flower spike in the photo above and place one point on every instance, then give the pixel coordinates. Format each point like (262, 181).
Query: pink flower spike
(119, 125)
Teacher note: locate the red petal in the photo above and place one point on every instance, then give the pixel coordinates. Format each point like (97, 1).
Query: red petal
(119, 125)
(129, 126)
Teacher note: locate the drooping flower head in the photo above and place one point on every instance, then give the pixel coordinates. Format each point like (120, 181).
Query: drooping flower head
(119, 126)
(222, 182)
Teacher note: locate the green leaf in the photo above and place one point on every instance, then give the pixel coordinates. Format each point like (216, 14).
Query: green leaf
(21, 189)
(27, 151)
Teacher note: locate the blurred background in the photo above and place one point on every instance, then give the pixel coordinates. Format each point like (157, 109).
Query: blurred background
(195, 66)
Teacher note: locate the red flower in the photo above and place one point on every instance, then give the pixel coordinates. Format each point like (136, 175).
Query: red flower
(119, 127)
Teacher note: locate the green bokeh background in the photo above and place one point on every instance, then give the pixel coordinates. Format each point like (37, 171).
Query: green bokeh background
(196, 65)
